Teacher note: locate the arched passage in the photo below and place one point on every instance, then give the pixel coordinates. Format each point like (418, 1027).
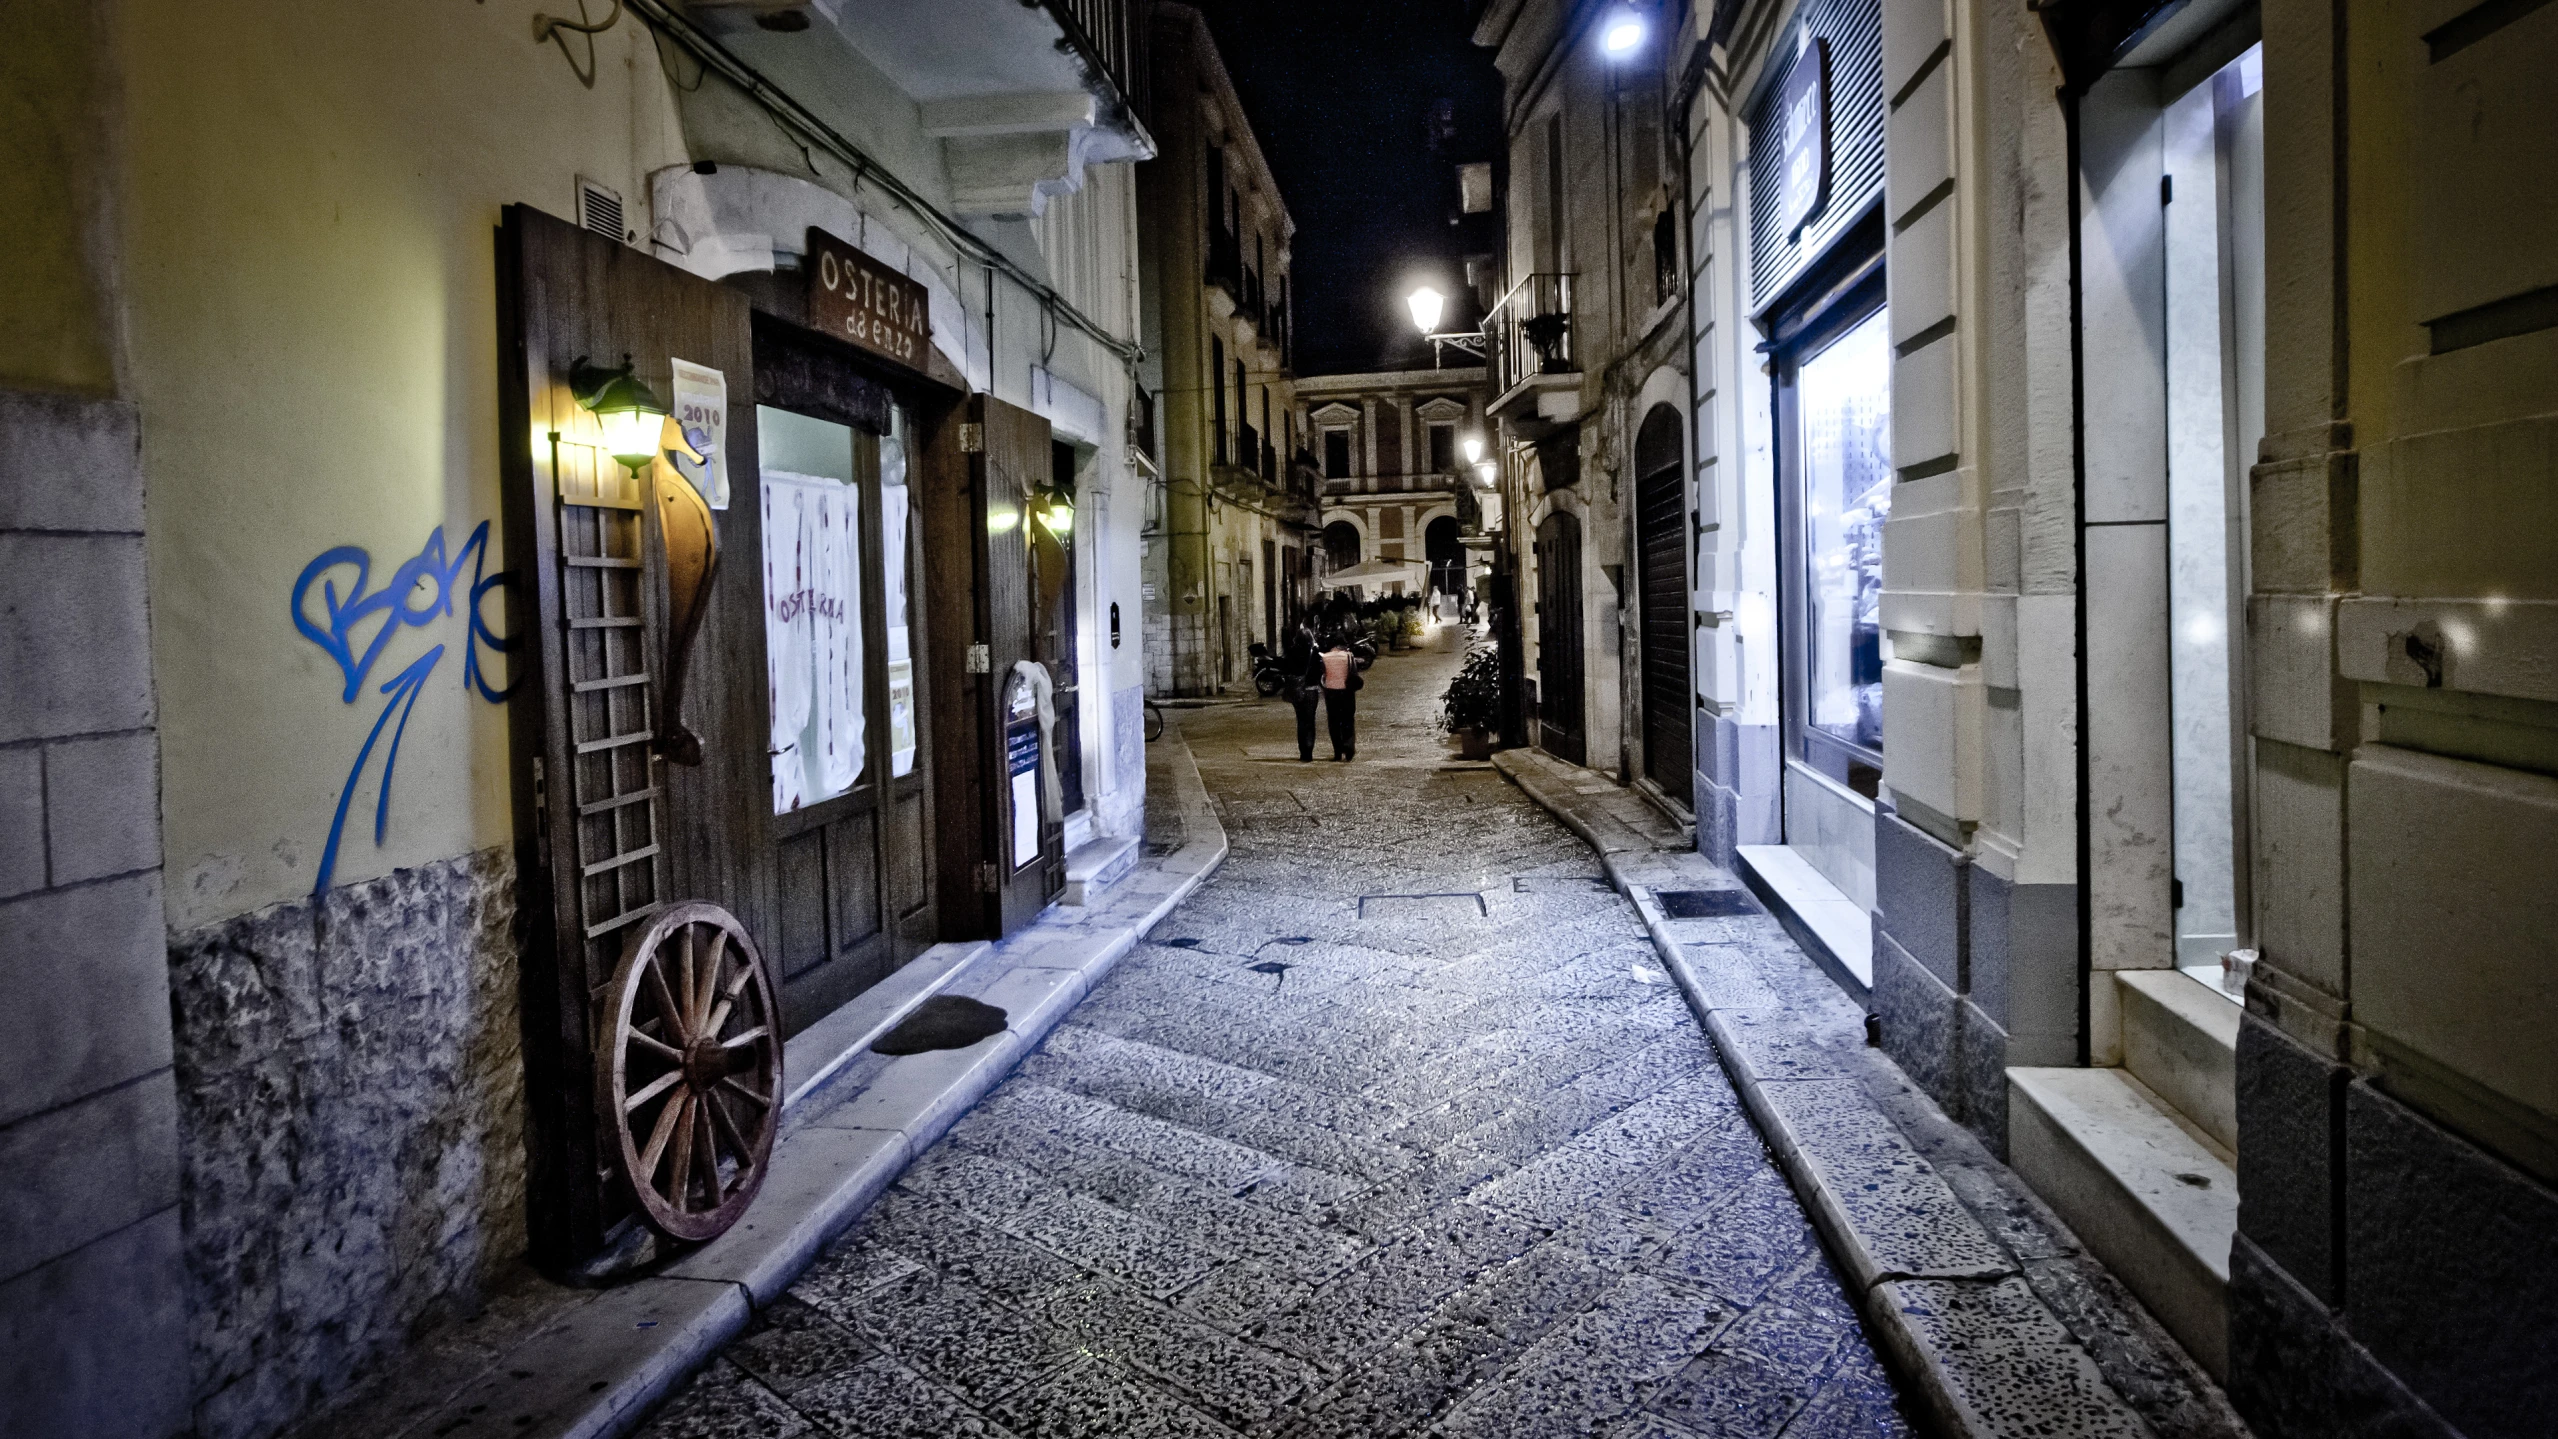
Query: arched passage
(1661, 524)
(1447, 556)
(1341, 544)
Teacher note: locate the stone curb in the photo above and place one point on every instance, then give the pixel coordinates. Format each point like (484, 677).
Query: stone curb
(1951, 1311)
(594, 1366)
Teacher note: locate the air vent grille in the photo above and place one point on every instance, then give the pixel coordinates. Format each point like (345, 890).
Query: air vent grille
(599, 208)
(1854, 29)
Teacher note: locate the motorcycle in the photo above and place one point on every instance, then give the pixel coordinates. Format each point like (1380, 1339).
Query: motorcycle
(1269, 677)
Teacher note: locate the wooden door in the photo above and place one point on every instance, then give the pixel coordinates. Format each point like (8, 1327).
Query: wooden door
(986, 458)
(1661, 530)
(1559, 723)
(609, 829)
(854, 893)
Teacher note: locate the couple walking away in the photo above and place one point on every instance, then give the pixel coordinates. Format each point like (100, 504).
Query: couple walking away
(1323, 666)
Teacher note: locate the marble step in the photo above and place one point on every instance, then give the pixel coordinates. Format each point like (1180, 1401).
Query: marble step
(2180, 1037)
(1095, 865)
(2145, 1189)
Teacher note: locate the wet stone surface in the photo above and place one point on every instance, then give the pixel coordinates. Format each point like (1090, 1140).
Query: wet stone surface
(1318, 1161)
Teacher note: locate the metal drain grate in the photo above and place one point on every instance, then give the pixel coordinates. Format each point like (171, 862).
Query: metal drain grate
(1704, 903)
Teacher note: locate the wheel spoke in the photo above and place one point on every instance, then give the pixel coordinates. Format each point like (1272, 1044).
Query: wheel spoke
(729, 1082)
(703, 1022)
(652, 1089)
(727, 1126)
(681, 1177)
(656, 1046)
(706, 1154)
(663, 998)
(657, 1137)
(688, 987)
(741, 1041)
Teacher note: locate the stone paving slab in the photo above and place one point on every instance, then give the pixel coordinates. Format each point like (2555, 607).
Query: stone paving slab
(1397, 1127)
(1995, 1316)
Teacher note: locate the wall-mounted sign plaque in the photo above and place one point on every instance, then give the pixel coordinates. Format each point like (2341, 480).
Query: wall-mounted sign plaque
(1803, 114)
(856, 298)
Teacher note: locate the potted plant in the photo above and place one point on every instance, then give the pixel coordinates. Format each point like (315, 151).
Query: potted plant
(1471, 708)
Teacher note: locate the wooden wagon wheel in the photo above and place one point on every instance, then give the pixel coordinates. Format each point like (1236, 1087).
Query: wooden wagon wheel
(688, 1069)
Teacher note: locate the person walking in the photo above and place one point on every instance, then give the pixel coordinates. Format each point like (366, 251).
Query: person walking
(1302, 665)
(1341, 683)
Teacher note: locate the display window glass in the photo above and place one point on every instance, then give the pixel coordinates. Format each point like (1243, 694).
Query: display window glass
(1843, 409)
(812, 606)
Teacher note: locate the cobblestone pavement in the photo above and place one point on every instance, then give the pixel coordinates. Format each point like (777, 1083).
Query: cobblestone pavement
(1396, 1128)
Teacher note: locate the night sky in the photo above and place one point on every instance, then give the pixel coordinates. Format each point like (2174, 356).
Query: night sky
(1342, 95)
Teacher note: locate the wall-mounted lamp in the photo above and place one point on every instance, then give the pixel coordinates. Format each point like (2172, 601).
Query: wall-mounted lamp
(1427, 306)
(1056, 510)
(632, 416)
(1488, 472)
(1473, 445)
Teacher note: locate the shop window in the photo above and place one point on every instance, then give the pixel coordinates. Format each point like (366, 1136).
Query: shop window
(1842, 493)
(812, 607)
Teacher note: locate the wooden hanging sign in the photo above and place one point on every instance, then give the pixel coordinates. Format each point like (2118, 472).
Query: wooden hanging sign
(855, 298)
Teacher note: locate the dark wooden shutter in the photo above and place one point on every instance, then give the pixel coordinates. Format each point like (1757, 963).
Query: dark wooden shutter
(607, 832)
(1559, 637)
(1661, 528)
(984, 461)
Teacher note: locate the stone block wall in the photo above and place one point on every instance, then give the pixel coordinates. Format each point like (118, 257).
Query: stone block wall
(350, 1082)
(92, 1294)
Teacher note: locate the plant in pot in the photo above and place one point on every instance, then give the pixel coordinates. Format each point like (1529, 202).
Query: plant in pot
(1471, 708)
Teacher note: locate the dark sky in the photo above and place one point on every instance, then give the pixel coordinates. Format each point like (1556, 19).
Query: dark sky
(1342, 95)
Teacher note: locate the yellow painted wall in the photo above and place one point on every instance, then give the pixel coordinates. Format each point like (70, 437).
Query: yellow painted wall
(56, 326)
(309, 245)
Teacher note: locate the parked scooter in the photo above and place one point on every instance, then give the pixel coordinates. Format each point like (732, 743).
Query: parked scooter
(1268, 676)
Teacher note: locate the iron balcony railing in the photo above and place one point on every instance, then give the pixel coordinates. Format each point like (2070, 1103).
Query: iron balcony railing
(1531, 331)
(1109, 33)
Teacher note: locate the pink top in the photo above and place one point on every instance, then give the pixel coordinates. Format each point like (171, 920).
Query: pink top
(1336, 669)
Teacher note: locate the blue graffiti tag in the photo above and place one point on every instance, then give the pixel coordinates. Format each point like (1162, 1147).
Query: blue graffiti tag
(421, 591)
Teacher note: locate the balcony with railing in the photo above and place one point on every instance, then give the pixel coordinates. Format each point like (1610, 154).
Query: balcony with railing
(1536, 367)
(1021, 96)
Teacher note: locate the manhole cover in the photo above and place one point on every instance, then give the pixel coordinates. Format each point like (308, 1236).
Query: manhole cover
(1704, 903)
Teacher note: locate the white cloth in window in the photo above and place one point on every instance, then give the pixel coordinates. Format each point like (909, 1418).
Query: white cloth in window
(812, 627)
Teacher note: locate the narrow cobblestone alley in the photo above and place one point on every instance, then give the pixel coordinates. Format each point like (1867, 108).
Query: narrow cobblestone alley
(1396, 1128)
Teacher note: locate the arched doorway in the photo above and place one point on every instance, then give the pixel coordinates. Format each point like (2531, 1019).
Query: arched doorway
(1447, 556)
(1661, 530)
(1341, 544)
(1559, 730)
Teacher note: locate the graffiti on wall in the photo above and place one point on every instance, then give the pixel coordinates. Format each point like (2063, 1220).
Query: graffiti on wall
(357, 628)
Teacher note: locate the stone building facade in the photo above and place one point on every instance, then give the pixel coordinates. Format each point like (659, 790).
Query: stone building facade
(269, 1120)
(2111, 610)
(1589, 362)
(1226, 542)
(1391, 447)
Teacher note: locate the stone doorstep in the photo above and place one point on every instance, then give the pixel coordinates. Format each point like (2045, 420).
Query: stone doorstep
(1963, 1329)
(592, 1364)
(2147, 1191)
(2180, 1037)
(1093, 867)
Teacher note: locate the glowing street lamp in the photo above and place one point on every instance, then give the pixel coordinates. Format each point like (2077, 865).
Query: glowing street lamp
(1473, 446)
(1621, 33)
(1427, 306)
(1488, 472)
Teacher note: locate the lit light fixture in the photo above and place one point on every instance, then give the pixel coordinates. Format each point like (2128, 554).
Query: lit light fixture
(1488, 472)
(632, 417)
(1621, 33)
(1427, 306)
(1056, 510)
(1473, 446)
